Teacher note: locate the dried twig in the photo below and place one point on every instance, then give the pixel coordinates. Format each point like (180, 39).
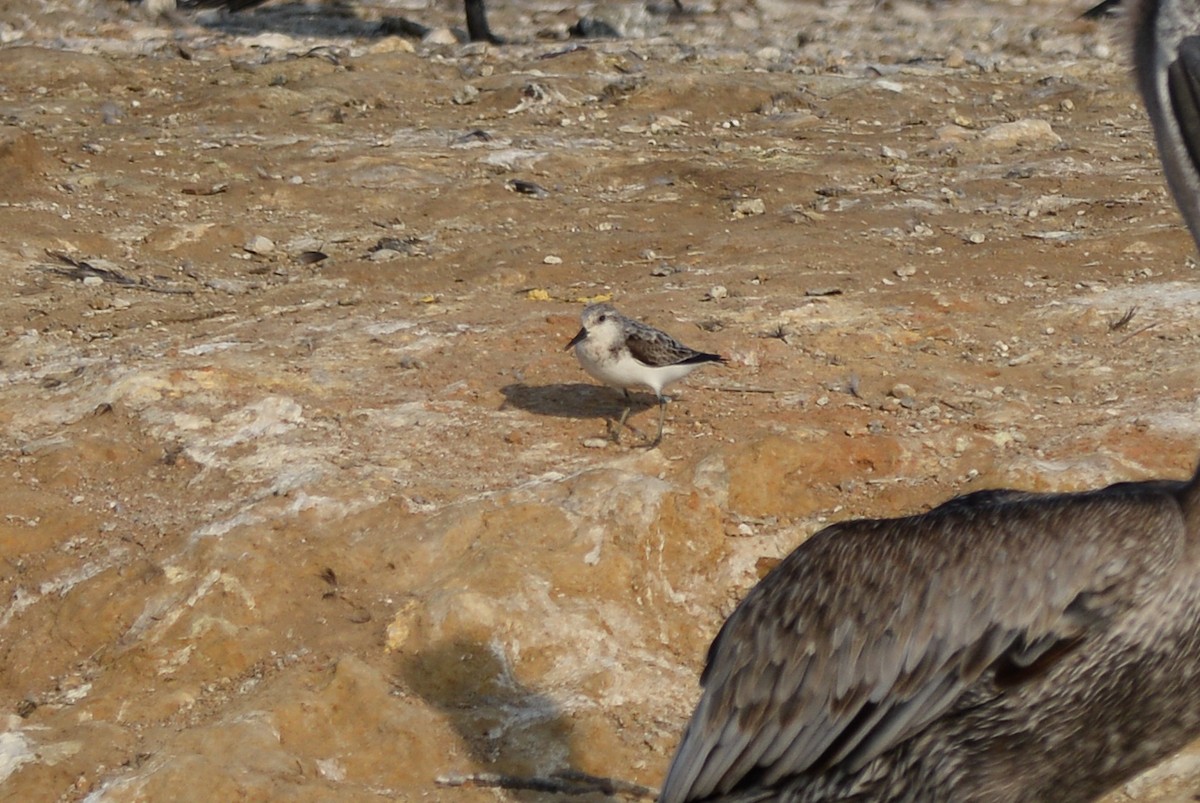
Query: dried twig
(739, 389)
(1132, 335)
(80, 270)
(1124, 320)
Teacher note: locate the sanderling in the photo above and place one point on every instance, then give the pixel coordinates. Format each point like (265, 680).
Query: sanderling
(625, 353)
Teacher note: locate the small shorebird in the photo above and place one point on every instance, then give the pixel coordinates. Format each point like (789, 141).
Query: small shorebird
(625, 353)
(1004, 647)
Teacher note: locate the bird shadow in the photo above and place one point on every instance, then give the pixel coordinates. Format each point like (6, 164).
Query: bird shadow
(574, 400)
(341, 19)
(518, 738)
(306, 19)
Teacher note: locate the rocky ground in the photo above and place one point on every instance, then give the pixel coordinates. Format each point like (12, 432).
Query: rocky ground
(303, 499)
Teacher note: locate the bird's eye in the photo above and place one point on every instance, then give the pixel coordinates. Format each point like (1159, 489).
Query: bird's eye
(602, 318)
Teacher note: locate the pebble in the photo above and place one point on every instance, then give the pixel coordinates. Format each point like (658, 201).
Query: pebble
(551, 259)
(259, 245)
(902, 390)
(718, 292)
(1021, 132)
(953, 133)
(748, 207)
(440, 36)
(906, 271)
(465, 95)
(92, 281)
(596, 443)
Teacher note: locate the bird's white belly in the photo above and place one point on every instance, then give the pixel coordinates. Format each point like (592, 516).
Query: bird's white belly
(623, 371)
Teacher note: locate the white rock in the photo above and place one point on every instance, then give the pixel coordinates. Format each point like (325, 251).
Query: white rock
(1021, 132)
(259, 245)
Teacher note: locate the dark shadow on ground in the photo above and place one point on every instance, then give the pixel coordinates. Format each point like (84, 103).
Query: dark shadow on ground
(341, 18)
(507, 729)
(300, 19)
(574, 400)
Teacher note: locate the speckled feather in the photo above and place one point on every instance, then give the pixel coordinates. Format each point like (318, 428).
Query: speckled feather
(870, 633)
(650, 346)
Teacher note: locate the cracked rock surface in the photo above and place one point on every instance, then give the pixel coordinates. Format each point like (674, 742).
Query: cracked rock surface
(302, 497)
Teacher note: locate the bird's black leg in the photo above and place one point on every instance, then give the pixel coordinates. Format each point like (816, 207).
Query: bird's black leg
(477, 25)
(616, 436)
(662, 415)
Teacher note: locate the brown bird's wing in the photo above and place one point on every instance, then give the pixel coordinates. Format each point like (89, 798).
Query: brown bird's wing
(872, 629)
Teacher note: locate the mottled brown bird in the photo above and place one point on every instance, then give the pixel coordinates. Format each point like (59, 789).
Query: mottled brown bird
(1002, 647)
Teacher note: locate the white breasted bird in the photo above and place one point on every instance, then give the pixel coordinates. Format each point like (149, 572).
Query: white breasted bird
(625, 353)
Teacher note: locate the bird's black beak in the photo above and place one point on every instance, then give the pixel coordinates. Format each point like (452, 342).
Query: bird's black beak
(582, 334)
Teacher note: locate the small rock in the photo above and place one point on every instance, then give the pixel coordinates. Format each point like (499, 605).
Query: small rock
(889, 152)
(465, 95)
(905, 271)
(953, 133)
(665, 122)
(1021, 132)
(718, 292)
(111, 113)
(889, 86)
(440, 36)
(92, 281)
(955, 59)
(748, 207)
(975, 237)
(551, 259)
(902, 390)
(259, 245)
(596, 443)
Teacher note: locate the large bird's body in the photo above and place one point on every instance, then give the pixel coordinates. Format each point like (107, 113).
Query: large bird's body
(1004, 647)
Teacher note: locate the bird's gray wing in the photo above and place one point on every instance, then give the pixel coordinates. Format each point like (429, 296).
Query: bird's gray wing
(870, 630)
(655, 347)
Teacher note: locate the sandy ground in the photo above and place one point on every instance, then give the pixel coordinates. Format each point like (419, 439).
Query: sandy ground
(303, 499)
